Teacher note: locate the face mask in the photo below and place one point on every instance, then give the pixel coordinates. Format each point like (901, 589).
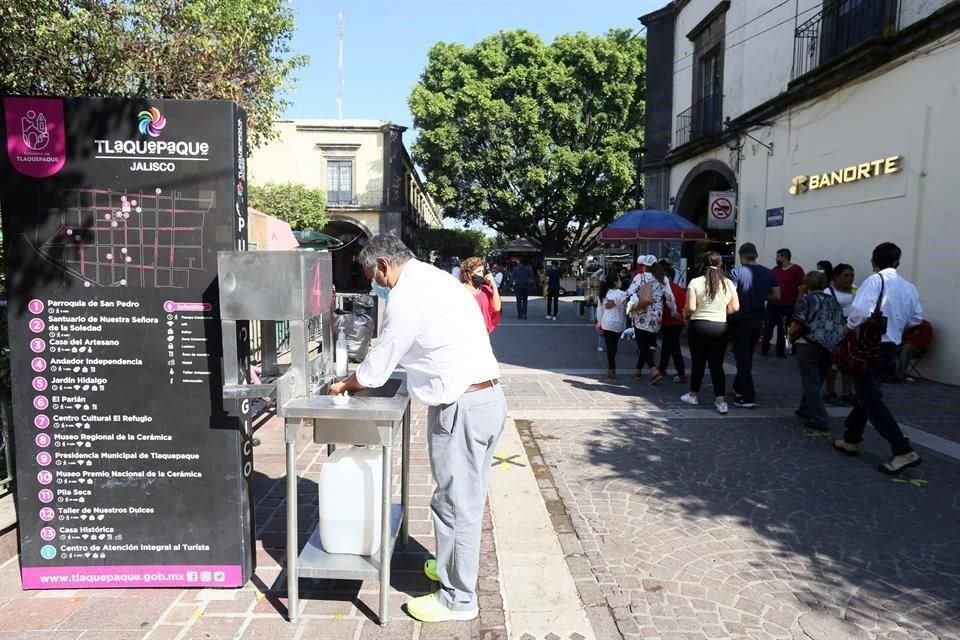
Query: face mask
(779, 262)
(379, 290)
(477, 281)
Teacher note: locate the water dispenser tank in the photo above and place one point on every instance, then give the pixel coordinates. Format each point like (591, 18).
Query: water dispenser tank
(351, 493)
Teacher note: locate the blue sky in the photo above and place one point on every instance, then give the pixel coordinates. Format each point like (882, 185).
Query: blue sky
(386, 44)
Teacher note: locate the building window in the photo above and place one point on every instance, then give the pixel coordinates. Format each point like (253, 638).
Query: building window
(339, 182)
(705, 116)
(839, 27)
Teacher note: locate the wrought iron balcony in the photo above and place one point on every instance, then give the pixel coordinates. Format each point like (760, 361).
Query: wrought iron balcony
(703, 119)
(840, 26)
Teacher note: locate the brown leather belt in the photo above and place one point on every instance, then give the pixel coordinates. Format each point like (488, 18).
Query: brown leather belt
(486, 384)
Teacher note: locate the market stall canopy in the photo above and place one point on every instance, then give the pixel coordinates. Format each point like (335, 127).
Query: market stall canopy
(521, 245)
(651, 224)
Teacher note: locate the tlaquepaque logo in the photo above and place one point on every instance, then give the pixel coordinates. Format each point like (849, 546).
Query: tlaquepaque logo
(151, 122)
(36, 138)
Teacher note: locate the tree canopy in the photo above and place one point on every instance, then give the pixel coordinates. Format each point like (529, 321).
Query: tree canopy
(462, 243)
(534, 140)
(303, 208)
(181, 49)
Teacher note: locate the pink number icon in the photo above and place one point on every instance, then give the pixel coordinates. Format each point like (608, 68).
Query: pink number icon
(35, 306)
(36, 325)
(37, 345)
(44, 458)
(47, 514)
(41, 422)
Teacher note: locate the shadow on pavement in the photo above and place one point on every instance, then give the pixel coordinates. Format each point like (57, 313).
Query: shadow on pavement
(836, 531)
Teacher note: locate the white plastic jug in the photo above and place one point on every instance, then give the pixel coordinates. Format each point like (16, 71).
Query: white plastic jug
(351, 493)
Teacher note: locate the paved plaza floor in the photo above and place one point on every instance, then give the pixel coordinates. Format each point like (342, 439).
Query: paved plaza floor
(615, 512)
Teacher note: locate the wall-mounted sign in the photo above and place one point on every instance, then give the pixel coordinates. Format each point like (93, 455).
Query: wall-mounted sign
(853, 173)
(720, 208)
(775, 217)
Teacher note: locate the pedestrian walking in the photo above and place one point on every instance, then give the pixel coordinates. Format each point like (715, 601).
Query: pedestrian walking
(433, 328)
(756, 287)
(710, 298)
(899, 302)
(480, 284)
(553, 291)
(789, 278)
(673, 324)
(815, 329)
(522, 277)
(841, 287)
(613, 320)
(646, 309)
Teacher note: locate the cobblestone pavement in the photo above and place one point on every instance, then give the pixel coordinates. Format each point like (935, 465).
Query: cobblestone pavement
(687, 524)
(329, 609)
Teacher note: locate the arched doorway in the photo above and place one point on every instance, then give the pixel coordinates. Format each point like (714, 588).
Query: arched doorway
(347, 275)
(691, 203)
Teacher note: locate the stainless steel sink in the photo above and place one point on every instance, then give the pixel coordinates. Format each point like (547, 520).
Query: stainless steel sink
(366, 418)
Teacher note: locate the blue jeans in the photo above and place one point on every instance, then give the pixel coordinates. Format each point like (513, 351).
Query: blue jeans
(868, 405)
(522, 292)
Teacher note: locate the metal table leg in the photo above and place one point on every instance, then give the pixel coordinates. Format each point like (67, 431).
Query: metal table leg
(405, 478)
(293, 542)
(385, 535)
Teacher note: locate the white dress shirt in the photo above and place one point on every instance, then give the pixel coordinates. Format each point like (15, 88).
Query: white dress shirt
(433, 329)
(901, 304)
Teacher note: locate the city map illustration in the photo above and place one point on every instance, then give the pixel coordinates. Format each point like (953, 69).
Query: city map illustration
(125, 239)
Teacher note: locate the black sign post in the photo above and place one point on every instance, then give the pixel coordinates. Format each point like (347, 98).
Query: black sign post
(131, 469)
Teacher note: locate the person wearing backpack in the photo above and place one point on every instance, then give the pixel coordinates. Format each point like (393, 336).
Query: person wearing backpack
(816, 327)
(889, 302)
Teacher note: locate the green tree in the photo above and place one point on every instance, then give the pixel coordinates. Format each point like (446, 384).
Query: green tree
(534, 140)
(305, 209)
(198, 49)
(462, 243)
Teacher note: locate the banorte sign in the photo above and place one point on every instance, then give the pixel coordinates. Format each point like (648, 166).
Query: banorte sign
(854, 173)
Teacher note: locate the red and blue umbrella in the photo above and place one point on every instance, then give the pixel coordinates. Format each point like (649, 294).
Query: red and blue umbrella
(651, 224)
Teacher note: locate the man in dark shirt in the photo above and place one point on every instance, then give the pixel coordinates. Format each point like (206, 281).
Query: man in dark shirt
(756, 285)
(789, 278)
(522, 277)
(553, 291)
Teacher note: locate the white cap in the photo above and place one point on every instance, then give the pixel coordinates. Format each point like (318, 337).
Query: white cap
(648, 261)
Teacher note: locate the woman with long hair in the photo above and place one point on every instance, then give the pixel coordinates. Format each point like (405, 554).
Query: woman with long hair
(710, 298)
(612, 321)
(484, 290)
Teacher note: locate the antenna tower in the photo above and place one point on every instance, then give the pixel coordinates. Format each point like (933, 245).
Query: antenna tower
(340, 67)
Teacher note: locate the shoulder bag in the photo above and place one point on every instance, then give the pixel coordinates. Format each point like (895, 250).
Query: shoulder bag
(860, 348)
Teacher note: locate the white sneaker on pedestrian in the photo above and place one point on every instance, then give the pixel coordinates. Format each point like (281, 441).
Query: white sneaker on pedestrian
(600, 349)
(554, 318)
(547, 317)
(690, 399)
(901, 462)
(722, 407)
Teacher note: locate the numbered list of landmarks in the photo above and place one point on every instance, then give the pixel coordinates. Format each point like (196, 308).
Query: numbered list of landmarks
(130, 468)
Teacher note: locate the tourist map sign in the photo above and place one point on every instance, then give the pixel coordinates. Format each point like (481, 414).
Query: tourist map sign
(132, 471)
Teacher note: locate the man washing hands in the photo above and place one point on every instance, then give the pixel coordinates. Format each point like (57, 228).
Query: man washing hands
(435, 331)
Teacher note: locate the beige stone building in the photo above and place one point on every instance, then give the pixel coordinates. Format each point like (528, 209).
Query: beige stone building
(371, 183)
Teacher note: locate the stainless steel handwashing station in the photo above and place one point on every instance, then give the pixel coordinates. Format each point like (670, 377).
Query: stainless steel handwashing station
(298, 286)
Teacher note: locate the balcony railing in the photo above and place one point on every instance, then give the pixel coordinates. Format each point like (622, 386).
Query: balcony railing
(839, 27)
(703, 119)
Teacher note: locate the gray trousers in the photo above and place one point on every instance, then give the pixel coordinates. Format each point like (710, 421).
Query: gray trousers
(461, 437)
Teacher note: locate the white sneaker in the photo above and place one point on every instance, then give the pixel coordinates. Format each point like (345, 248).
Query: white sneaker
(554, 318)
(690, 399)
(721, 407)
(547, 317)
(600, 349)
(901, 462)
